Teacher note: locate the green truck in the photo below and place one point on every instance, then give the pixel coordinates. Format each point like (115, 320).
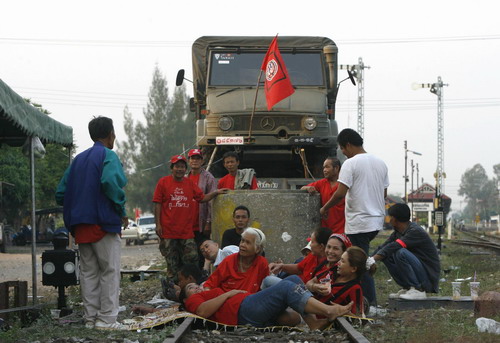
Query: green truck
(291, 140)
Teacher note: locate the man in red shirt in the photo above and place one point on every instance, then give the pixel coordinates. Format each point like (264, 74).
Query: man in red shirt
(326, 188)
(173, 207)
(236, 179)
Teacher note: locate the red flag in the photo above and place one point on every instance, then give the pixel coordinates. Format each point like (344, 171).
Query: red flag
(277, 84)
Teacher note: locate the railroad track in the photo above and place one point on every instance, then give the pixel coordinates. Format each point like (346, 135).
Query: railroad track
(348, 332)
(481, 240)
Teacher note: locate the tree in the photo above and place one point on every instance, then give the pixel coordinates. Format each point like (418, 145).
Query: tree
(15, 169)
(167, 130)
(480, 192)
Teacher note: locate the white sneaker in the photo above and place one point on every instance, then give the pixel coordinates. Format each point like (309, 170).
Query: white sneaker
(413, 294)
(99, 324)
(398, 294)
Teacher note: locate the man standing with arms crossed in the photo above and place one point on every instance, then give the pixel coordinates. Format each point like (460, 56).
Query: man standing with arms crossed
(91, 192)
(363, 182)
(202, 218)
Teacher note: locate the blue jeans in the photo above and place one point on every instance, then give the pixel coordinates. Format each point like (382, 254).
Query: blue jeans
(363, 240)
(261, 309)
(407, 270)
(270, 281)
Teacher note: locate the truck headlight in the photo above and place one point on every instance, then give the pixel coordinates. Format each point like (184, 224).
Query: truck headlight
(225, 123)
(310, 123)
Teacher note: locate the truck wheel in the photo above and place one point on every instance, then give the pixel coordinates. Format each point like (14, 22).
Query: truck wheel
(128, 241)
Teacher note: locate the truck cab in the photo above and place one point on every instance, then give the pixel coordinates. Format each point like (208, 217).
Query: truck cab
(293, 138)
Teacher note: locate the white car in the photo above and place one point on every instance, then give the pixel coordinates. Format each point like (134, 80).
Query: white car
(146, 228)
(130, 233)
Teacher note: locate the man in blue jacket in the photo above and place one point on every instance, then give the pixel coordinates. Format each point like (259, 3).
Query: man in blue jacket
(92, 194)
(410, 256)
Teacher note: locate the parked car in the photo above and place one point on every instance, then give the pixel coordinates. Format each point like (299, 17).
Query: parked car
(147, 228)
(130, 234)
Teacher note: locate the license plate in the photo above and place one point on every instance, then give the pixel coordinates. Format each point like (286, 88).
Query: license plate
(229, 140)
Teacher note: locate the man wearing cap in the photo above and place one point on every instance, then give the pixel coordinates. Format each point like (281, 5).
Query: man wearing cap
(202, 215)
(173, 208)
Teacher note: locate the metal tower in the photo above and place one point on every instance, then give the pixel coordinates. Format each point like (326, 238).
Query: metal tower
(437, 88)
(358, 71)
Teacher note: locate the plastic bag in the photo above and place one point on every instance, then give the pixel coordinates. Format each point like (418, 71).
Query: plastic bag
(488, 325)
(38, 148)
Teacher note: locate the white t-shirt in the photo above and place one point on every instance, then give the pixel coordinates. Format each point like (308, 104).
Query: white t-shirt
(366, 177)
(223, 253)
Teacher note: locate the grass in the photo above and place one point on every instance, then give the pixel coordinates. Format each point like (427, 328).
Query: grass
(437, 325)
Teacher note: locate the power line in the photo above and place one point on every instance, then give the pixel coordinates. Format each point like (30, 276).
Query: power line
(184, 44)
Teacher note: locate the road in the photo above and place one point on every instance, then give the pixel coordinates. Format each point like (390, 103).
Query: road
(16, 263)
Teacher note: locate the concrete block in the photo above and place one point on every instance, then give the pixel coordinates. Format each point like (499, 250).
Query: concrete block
(287, 218)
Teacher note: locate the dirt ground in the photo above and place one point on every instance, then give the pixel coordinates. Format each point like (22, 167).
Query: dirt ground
(16, 264)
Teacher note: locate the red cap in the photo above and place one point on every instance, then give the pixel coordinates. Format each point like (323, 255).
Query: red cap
(195, 152)
(176, 158)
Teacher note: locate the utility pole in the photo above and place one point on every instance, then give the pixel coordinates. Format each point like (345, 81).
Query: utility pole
(358, 71)
(406, 169)
(440, 175)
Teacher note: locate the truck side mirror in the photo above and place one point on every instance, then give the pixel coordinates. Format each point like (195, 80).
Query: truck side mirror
(180, 78)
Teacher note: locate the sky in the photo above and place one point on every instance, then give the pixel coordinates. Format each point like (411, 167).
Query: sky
(85, 58)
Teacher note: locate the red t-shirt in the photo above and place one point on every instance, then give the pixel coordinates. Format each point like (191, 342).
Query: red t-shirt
(88, 233)
(345, 292)
(336, 214)
(307, 266)
(196, 205)
(227, 277)
(176, 199)
(226, 314)
(228, 182)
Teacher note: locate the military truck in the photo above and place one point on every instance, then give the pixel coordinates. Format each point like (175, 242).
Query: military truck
(294, 137)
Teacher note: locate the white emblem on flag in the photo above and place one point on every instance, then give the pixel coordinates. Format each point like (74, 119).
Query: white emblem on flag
(271, 70)
(216, 56)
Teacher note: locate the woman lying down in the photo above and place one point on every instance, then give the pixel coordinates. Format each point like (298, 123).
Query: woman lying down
(261, 309)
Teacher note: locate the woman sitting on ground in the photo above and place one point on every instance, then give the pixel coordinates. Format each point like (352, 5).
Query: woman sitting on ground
(244, 270)
(346, 287)
(237, 307)
(305, 268)
(327, 270)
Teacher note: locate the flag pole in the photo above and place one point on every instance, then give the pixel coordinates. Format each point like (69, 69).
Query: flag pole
(254, 105)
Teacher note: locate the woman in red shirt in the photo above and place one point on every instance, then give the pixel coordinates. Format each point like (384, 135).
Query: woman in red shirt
(346, 287)
(305, 268)
(244, 270)
(326, 272)
(237, 307)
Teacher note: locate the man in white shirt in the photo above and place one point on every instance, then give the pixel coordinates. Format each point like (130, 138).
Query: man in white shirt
(363, 182)
(213, 255)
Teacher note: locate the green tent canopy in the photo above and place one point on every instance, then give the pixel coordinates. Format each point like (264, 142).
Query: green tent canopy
(19, 120)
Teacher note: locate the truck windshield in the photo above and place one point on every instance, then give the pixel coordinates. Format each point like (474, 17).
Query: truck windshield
(242, 69)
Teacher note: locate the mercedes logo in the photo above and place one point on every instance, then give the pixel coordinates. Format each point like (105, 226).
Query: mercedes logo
(267, 123)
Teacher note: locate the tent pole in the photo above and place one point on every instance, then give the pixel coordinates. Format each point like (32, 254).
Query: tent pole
(33, 220)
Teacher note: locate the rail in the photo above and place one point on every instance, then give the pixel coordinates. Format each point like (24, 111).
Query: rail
(354, 335)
